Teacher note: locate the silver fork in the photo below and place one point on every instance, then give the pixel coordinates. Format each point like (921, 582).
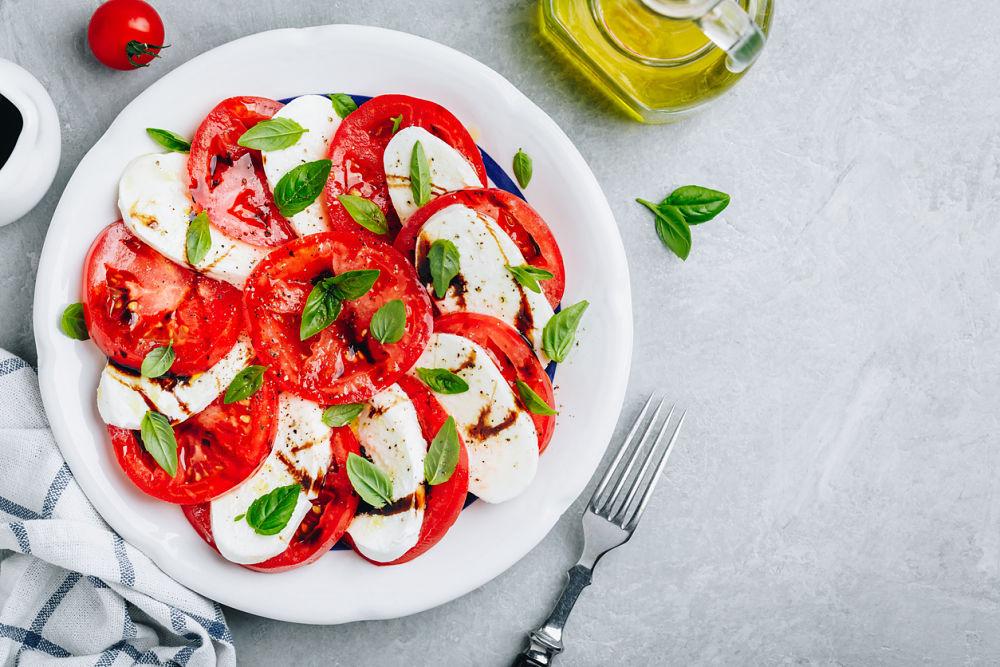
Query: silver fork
(608, 522)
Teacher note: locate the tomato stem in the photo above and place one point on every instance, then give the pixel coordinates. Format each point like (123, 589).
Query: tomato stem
(135, 49)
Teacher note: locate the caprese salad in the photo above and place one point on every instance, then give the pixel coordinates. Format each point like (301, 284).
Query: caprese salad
(322, 324)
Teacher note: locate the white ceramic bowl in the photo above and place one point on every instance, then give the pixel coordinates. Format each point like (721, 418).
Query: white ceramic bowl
(486, 539)
(28, 173)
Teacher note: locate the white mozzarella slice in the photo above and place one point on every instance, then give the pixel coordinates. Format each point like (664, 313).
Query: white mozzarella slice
(448, 168)
(500, 436)
(390, 434)
(486, 286)
(315, 113)
(124, 396)
(301, 454)
(156, 206)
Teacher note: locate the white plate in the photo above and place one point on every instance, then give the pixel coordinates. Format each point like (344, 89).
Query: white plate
(487, 539)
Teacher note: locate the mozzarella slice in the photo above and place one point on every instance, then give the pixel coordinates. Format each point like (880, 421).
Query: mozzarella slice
(315, 113)
(124, 396)
(449, 170)
(500, 436)
(390, 434)
(300, 455)
(484, 285)
(156, 206)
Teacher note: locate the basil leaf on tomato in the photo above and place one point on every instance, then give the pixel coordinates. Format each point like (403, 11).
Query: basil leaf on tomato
(445, 263)
(300, 187)
(396, 120)
(365, 212)
(158, 439)
(420, 175)
(559, 333)
(442, 380)
(158, 361)
(198, 240)
(270, 513)
(373, 485)
(72, 323)
(341, 415)
(389, 322)
(353, 284)
(442, 455)
(170, 140)
(343, 104)
(536, 404)
(272, 134)
(246, 383)
(322, 307)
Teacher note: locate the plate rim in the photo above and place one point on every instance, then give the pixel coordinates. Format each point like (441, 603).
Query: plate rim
(47, 340)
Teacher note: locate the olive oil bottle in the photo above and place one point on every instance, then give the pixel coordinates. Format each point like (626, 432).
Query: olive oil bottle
(656, 68)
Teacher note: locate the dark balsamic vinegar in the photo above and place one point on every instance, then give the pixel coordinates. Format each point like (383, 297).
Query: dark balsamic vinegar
(10, 128)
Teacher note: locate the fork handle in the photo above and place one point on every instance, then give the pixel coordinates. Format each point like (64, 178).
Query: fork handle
(545, 643)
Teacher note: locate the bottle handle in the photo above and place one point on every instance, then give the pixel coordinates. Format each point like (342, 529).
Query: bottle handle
(725, 23)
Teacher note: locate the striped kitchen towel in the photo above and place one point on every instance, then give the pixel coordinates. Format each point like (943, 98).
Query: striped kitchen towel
(70, 587)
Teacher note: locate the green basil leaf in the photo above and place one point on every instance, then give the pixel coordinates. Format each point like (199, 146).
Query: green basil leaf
(343, 104)
(522, 168)
(373, 485)
(321, 309)
(420, 175)
(158, 439)
(199, 239)
(72, 322)
(365, 212)
(298, 188)
(559, 333)
(442, 455)
(396, 120)
(236, 519)
(529, 275)
(353, 284)
(158, 361)
(272, 135)
(270, 513)
(341, 415)
(443, 381)
(697, 204)
(389, 322)
(671, 227)
(444, 262)
(535, 403)
(170, 140)
(246, 383)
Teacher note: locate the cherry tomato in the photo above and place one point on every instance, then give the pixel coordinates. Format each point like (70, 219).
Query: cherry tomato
(126, 34)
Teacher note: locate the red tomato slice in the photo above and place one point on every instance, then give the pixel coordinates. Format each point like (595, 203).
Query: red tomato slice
(343, 363)
(228, 181)
(217, 449)
(513, 215)
(137, 300)
(359, 144)
(443, 502)
(332, 512)
(512, 356)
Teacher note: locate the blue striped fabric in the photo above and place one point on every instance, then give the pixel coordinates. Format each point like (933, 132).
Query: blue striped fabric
(77, 588)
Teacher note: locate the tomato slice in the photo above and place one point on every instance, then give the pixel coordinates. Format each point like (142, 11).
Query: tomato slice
(136, 300)
(512, 355)
(217, 449)
(343, 363)
(332, 512)
(513, 215)
(228, 180)
(359, 144)
(444, 502)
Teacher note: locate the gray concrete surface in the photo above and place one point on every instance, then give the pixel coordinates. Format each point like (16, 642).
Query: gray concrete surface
(835, 497)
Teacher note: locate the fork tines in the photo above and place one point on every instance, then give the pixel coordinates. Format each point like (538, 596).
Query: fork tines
(619, 506)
